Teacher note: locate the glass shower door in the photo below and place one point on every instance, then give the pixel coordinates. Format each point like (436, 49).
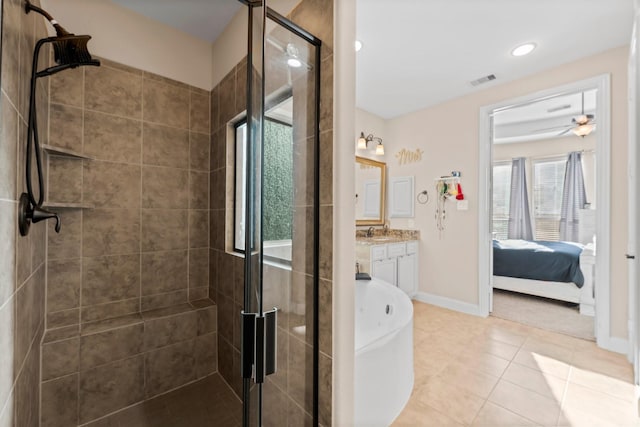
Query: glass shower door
(280, 317)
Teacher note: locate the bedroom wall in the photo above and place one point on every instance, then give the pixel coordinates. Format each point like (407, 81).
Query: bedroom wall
(448, 134)
(551, 148)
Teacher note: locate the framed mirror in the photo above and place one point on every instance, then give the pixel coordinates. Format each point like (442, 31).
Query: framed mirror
(370, 191)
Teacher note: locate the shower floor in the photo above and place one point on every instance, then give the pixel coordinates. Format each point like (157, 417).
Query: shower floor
(208, 402)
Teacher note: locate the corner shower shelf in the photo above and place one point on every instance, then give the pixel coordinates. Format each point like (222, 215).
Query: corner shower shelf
(64, 152)
(63, 205)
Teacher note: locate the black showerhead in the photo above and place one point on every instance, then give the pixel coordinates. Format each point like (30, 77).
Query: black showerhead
(72, 50)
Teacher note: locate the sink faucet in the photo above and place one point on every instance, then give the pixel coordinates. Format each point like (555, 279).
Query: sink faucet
(370, 232)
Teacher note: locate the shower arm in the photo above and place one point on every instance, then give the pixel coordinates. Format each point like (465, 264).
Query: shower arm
(60, 31)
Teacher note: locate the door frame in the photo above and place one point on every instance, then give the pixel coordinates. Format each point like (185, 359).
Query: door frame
(603, 200)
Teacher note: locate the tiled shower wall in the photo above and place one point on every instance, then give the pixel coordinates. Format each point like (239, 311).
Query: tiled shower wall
(128, 315)
(22, 259)
(288, 393)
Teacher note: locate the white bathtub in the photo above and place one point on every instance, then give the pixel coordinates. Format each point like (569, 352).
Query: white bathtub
(384, 352)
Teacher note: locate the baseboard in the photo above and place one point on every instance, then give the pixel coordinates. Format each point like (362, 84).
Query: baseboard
(451, 304)
(615, 344)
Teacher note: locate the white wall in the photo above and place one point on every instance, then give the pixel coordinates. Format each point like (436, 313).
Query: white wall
(448, 134)
(127, 37)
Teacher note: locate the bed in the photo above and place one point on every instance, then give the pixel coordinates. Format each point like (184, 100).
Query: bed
(557, 270)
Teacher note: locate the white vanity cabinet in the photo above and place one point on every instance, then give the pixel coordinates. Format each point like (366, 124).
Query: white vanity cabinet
(396, 263)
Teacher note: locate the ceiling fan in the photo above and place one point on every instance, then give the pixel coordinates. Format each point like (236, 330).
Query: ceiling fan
(581, 125)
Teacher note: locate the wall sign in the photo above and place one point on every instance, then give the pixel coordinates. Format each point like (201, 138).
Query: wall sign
(405, 156)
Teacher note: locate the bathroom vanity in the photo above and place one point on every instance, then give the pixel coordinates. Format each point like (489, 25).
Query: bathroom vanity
(392, 258)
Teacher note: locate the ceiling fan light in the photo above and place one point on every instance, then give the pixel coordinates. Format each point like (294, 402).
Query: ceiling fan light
(581, 120)
(583, 130)
(380, 149)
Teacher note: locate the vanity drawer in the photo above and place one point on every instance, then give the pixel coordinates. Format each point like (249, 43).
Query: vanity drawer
(395, 250)
(412, 247)
(378, 252)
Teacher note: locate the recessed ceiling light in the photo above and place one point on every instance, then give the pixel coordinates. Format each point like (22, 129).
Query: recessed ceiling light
(358, 45)
(524, 49)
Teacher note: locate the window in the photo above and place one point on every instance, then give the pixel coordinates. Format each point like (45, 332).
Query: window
(501, 197)
(277, 189)
(548, 180)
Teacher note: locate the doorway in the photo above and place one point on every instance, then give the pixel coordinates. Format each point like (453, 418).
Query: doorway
(601, 273)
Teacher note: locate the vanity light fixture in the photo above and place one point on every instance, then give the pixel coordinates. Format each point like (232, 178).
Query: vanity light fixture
(523, 49)
(363, 142)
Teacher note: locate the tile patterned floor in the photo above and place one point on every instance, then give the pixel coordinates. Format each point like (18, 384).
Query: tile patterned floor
(492, 372)
(206, 403)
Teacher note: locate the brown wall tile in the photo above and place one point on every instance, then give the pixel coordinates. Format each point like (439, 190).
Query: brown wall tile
(8, 249)
(199, 108)
(152, 302)
(207, 319)
(111, 185)
(60, 358)
(68, 87)
(29, 315)
(169, 367)
(63, 284)
(206, 355)
(199, 190)
(8, 149)
(7, 337)
(198, 228)
(110, 231)
(67, 243)
(110, 278)
(164, 271)
(58, 319)
(165, 146)
(113, 91)
(65, 127)
(111, 387)
(198, 268)
(65, 180)
(60, 402)
(112, 309)
(166, 104)
(112, 138)
(27, 391)
(199, 151)
(164, 229)
(12, 12)
(164, 188)
(168, 330)
(104, 347)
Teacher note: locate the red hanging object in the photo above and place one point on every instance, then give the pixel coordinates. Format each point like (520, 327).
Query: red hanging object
(459, 196)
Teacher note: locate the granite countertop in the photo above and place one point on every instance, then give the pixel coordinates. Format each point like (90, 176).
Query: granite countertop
(380, 237)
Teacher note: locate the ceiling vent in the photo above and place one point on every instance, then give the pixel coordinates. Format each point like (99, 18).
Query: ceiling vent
(483, 80)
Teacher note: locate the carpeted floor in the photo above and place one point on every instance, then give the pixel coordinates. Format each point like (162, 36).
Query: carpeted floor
(543, 313)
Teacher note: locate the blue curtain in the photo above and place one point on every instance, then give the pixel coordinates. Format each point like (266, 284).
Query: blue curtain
(574, 197)
(519, 216)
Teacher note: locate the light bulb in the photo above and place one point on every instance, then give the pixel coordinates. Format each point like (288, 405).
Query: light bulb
(380, 149)
(358, 45)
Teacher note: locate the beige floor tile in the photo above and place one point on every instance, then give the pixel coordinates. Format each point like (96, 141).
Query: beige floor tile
(419, 415)
(496, 348)
(492, 415)
(535, 380)
(604, 362)
(583, 406)
(471, 380)
(526, 403)
(603, 383)
(549, 365)
(484, 362)
(548, 348)
(450, 399)
(505, 335)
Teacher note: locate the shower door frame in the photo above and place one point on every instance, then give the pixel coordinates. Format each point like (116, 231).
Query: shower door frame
(285, 23)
